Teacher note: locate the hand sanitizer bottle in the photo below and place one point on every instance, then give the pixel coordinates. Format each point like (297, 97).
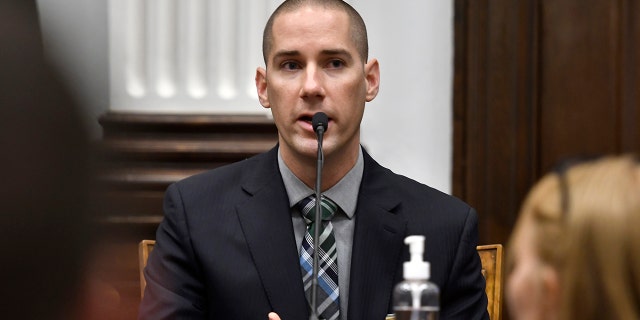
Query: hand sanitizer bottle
(416, 298)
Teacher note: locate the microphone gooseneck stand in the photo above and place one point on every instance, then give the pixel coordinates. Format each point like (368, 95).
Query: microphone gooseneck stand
(320, 124)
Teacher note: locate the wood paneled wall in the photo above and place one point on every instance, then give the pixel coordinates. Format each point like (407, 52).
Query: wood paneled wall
(537, 81)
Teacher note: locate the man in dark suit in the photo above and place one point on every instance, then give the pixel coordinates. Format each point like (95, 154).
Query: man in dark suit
(230, 241)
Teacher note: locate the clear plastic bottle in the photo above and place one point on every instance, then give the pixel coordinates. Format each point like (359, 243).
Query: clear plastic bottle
(416, 298)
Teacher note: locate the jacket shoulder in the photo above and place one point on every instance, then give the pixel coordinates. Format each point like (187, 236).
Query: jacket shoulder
(252, 172)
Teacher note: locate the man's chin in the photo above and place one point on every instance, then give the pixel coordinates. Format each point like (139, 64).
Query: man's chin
(301, 149)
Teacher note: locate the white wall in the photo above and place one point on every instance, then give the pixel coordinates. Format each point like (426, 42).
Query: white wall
(408, 128)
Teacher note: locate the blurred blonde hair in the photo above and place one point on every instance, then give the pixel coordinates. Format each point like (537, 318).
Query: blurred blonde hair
(595, 244)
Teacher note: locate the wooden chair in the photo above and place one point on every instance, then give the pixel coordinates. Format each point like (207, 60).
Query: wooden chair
(490, 255)
(144, 249)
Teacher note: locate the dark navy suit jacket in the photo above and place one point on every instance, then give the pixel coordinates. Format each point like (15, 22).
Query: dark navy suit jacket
(226, 247)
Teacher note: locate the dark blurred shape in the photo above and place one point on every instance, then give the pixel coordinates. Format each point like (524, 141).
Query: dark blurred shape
(45, 170)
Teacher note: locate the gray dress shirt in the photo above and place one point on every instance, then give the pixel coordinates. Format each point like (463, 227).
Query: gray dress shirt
(345, 194)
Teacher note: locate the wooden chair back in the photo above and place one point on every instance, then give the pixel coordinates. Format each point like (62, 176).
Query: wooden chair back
(144, 249)
(491, 257)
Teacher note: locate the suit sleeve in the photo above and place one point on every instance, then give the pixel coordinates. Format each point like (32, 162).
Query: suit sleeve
(466, 286)
(174, 283)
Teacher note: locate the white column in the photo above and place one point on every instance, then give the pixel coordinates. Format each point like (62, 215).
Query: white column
(186, 56)
(195, 48)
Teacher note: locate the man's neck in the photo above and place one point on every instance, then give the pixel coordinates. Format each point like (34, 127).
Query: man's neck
(336, 166)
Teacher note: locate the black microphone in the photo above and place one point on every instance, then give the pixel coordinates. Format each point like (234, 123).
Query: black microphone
(320, 123)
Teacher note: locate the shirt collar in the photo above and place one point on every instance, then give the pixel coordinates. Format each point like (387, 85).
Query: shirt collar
(344, 193)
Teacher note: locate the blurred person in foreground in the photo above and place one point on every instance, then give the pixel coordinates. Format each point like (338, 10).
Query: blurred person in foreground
(44, 165)
(575, 250)
(234, 242)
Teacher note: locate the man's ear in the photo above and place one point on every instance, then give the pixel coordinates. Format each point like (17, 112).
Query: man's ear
(261, 87)
(372, 76)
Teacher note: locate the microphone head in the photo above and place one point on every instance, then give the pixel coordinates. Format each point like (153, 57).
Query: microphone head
(320, 119)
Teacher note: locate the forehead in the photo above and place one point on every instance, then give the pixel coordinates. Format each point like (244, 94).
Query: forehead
(312, 26)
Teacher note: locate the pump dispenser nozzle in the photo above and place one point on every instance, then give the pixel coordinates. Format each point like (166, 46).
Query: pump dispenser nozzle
(416, 297)
(416, 268)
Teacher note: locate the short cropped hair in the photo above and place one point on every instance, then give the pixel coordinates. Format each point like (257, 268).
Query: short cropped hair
(358, 28)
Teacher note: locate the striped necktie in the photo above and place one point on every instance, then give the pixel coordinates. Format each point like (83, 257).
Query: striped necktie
(327, 293)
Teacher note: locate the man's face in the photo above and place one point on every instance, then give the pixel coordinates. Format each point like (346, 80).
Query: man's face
(314, 66)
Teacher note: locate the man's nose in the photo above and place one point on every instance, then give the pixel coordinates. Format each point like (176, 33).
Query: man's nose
(312, 83)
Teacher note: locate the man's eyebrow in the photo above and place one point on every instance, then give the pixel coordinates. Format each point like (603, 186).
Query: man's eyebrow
(326, 52)
(336, 52)
(286, 53)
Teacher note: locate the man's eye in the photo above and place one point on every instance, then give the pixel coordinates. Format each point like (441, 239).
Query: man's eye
(335, 64)
(290, 65)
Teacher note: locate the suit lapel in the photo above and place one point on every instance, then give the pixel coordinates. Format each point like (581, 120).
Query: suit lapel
(377, 245)
(266, 223)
